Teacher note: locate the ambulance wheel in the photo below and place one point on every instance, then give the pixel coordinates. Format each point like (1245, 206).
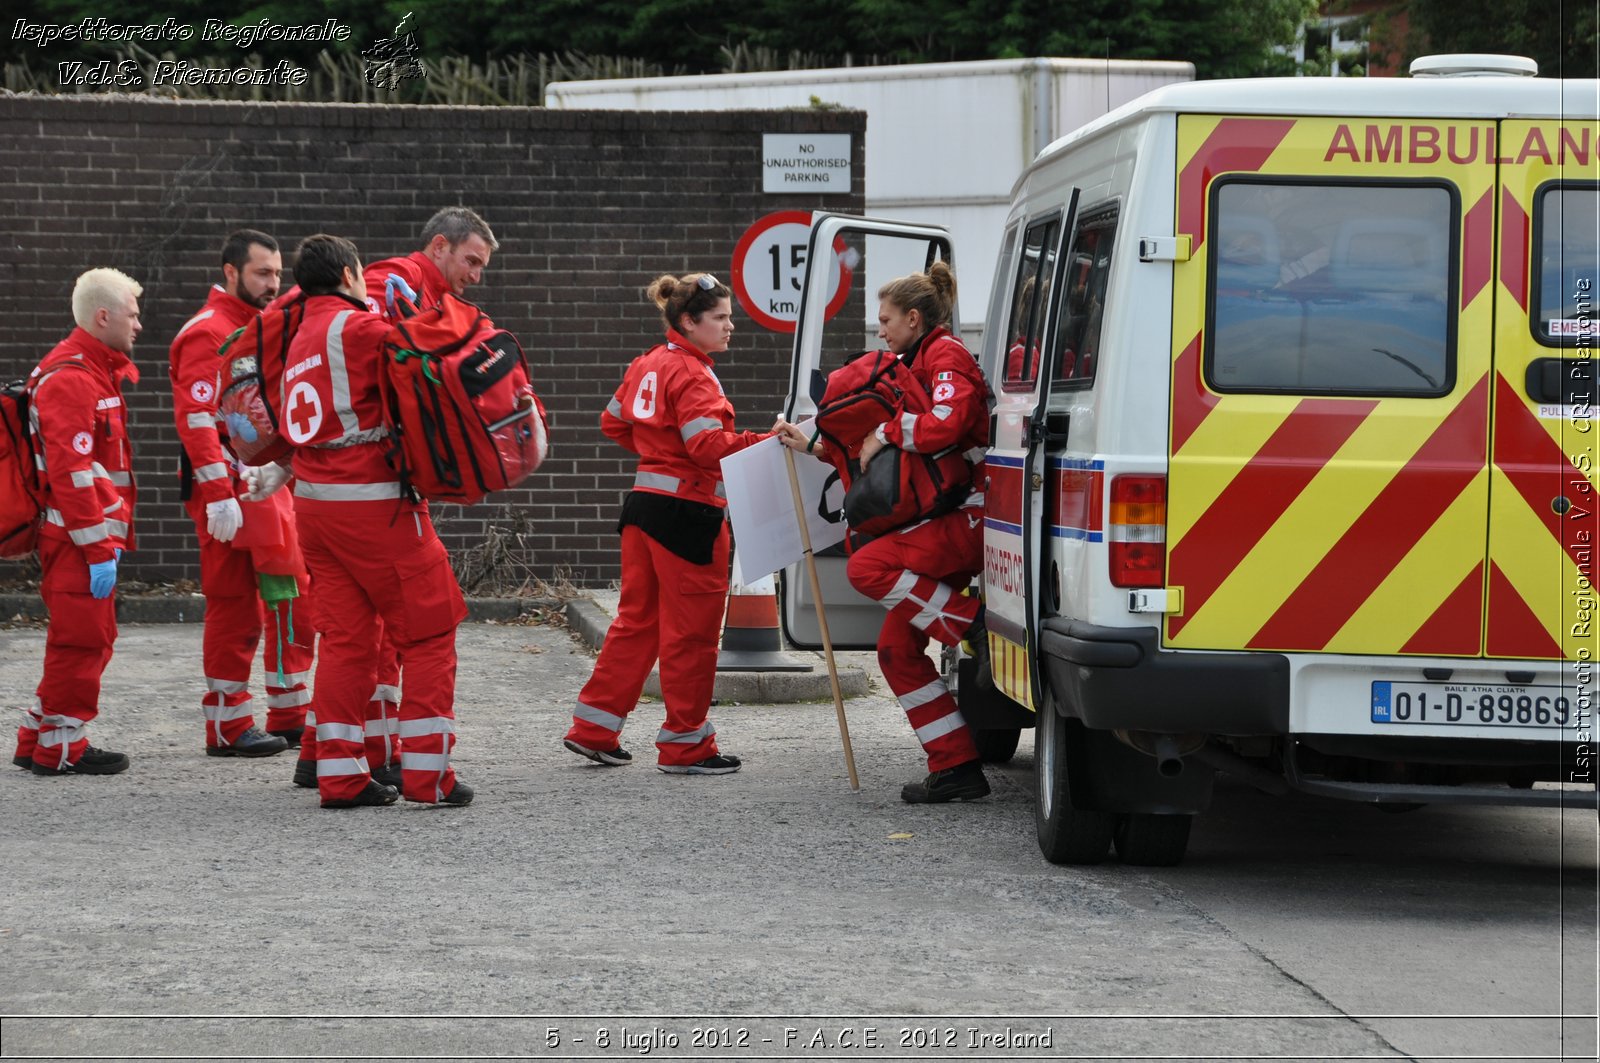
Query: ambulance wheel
(1067, 834)
(1151, 839)
(996, 745)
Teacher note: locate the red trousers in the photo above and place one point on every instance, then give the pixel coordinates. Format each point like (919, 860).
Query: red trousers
(671, 610)
(77, 648)
(235, 618)
(381, 723)
(917, 574)
(369, 564)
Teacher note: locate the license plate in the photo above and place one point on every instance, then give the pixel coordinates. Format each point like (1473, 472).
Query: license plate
(1478, 704)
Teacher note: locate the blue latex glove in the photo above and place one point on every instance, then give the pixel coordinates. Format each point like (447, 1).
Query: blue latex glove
(103, 577)
(394, 282)
(240, 428)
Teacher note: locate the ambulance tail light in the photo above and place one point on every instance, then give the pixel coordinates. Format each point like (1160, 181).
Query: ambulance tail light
(1138, 531)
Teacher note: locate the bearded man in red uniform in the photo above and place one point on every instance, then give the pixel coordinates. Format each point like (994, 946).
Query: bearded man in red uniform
(239, 544)
(80, 432)
(373, 554)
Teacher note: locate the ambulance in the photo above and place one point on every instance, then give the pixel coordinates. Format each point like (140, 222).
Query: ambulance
(1294, 449)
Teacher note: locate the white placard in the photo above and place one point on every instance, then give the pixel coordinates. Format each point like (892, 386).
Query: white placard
(761, 506)
(805, 162)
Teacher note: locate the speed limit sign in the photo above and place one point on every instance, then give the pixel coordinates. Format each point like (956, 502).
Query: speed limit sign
(769, 266)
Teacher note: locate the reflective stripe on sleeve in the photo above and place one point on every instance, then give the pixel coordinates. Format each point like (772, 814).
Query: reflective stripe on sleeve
(94, 533)
(346, 492)
(200, 420)
(82, 478)
(908, 430)
(698, 425)
(215, 471)
(942, 412)
(614, 408)
(121, 479)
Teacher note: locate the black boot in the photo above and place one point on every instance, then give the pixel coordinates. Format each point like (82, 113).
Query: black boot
(374, 794)
(964, 782)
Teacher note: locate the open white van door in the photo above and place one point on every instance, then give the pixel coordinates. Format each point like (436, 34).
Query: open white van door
(838, 318)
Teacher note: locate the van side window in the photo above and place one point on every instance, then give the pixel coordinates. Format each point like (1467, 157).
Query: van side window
(1566, 255)
(1020, 368)
(1338, 289)
(1077, 342)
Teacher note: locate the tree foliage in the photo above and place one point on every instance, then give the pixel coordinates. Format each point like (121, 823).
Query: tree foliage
(1563, 36)
(1223, 38)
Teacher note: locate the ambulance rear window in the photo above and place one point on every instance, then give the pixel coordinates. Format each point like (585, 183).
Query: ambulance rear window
(1337, 289)
(1566, 225)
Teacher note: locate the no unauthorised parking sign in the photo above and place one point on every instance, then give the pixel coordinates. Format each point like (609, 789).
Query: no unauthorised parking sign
(769, 267)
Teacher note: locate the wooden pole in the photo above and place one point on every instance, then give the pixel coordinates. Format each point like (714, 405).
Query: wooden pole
(822, 619)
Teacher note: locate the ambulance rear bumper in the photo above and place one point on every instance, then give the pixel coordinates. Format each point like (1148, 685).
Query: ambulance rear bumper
(1113, 678)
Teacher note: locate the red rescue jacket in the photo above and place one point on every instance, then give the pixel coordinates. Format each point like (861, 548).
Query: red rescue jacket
(80, 431)
(192, 366)
(672, 412)
(960, 414)
(416, 269)
(331, 409)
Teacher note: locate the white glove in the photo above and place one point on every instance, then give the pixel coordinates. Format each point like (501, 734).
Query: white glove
(263, 480)
(224, 519)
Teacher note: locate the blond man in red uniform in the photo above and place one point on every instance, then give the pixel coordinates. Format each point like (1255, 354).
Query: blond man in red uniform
(918, 572)
(671, 411)
(373, 554)
(80, 432)
(237, 542)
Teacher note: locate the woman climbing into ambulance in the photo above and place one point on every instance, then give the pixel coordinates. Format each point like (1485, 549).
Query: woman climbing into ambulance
(670, 410)
(917, 572)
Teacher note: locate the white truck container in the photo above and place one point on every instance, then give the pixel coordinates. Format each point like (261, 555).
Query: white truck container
(944, 140)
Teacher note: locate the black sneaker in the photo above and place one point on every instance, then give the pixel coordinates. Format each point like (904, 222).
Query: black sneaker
(25, 763)
(977, 642)
(290, 735)
(721, 764)
(460, 795)
(93, 762)
(253, 743)
(963, 782)
(613, 757)
(305, 774)
(374, 794)
(387, 774)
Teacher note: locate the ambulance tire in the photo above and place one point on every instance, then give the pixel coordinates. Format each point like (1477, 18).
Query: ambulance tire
(1151, 839)
(1067, 834)
(996, 745)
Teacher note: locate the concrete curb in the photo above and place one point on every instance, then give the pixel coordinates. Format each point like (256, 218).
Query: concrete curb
(589, 621)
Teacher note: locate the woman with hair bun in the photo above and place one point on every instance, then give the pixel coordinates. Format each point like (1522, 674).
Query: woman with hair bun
(671, 411)
(918, 572)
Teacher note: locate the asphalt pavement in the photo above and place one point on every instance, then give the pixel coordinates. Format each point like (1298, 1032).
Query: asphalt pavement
(205, 908)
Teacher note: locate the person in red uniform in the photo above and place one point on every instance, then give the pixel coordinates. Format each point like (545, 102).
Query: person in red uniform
(80, 431)
(237, 542)
(456, 247)
(671, 411)
(919, 571)
(373, 554)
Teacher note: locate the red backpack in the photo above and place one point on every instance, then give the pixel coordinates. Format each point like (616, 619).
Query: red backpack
(250, 356)
(899, 487)
(21, 504)
(459, 399)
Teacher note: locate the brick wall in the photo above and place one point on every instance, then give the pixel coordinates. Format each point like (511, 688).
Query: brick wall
(587, 205)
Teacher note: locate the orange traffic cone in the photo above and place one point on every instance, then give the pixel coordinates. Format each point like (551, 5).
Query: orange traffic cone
(750, 640)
